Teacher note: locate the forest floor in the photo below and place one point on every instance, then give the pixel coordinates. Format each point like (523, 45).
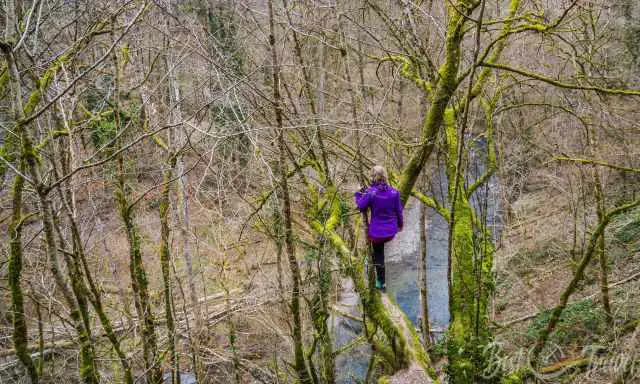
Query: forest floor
(535, 263)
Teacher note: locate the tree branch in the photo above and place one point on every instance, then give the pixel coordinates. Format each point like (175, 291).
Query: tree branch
(561, 84)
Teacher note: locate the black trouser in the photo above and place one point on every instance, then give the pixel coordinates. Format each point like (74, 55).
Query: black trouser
(378, 261)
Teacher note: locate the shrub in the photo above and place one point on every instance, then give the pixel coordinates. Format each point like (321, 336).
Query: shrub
(580, 322)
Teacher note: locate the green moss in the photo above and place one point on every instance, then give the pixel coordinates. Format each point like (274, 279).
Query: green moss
(514, 378)
(125, 54)
(471, 281)
(630, 231)
(32, 102)
(4, 77)
(409, 70)
(445, 88)
(14, 277)
(579, 323)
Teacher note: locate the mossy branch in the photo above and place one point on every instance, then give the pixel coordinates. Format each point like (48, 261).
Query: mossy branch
(561, 84)
(442, 95)
(597, 162)
(431, 202)
(409, 70)
(492, 162)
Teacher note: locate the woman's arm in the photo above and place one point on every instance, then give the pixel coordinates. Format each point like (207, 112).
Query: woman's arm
(363, 199)
(399, 212)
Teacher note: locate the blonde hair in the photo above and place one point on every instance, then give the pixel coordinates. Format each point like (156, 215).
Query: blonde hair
(378, 174)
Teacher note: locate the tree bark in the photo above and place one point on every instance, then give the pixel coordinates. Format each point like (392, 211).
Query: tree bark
(422, 277)
(176, 143)
(88, 369)
(604, 268)
(139, 282)
(165, 262)
(300, 366)
(20, 332)
(447, 85)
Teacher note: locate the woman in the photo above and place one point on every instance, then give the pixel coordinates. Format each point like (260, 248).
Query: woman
(386, 216)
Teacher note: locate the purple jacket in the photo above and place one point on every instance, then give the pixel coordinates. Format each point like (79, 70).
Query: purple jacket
(386, 211)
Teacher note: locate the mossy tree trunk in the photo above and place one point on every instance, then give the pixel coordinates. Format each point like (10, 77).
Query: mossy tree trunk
(470, 259)
(140, 286)
(165, 263)
(14, 277)
(139, 282)
(602, 255)
(471, 255)
(299, 363)
(442, 94)
(319, 308)
(75, 299)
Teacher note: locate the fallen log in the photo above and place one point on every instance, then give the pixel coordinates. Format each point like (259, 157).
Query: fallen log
(214, 315)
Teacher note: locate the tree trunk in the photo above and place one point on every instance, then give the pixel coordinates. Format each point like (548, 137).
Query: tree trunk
(20, 332)
(139, 285)
(442, 95)
(139, 282)
(320, 315)
(88, 369)
(176, 143)
(422, 277)
(469, 273)
(165, 262)
(20, 335)
(604, 283)
(300, 366)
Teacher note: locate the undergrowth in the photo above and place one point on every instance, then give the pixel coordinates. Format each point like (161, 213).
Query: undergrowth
(581, 322)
